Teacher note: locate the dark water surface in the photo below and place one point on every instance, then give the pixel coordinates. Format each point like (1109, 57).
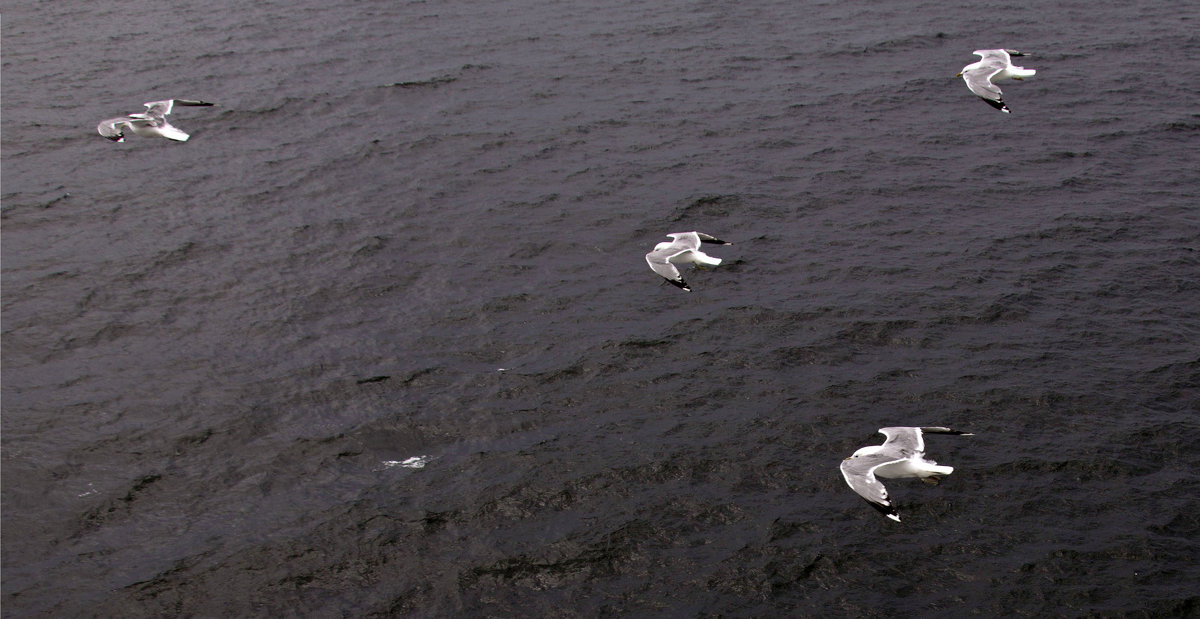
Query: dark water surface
(417, 229)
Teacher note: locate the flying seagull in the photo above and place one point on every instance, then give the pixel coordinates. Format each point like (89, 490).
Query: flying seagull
(683, 248)
(901, 455)
(151, 123)
(995, 66)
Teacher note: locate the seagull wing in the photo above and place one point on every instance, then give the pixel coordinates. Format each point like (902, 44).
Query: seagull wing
(113, 128)
(860, 476)
(907, 440)
(162, 108)
(979, 80)
(708, 238)
(995, 55)
(146, 120)
(911, 441)
(660, 262)
(982, 86)
(192, 102)
(171, 132)
(159, 108)
(685, 240)
(941, 430)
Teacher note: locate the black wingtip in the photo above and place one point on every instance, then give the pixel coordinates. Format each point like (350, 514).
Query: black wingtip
(886, 510)
(679, 284)
(997, 104)
(941, 430)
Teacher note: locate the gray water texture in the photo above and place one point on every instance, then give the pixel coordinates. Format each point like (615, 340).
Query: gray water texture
(416, 229)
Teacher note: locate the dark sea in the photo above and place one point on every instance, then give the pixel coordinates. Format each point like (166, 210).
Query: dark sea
(412, 233)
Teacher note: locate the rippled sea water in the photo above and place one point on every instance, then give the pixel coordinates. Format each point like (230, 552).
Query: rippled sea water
(414, 230)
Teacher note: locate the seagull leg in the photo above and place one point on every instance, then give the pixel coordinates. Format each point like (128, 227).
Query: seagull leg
(932, 480)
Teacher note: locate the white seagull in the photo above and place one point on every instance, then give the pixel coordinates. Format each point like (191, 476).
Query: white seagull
(684, 248)
(901, 455)
(151, 123)
(996, 66)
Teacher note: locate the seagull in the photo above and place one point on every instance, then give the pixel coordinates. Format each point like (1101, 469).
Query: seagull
(151, 123)
(901, 455)
(684, 248)
(996, 66)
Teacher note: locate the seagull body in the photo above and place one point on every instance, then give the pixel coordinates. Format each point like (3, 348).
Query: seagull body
(683, 248)
(995, 66)
(901, 455)
(149, 124)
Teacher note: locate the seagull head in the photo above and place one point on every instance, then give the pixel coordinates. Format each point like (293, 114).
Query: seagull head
(866, 451)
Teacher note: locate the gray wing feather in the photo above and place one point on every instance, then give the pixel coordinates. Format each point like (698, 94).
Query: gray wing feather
(159, 108)
(860, 476)
(147, 119)
(999, 55)
(912, 440)
(162, 108)
(907, 440)
(980, 81)
(111, 128)
(660, 262)
(685, 240)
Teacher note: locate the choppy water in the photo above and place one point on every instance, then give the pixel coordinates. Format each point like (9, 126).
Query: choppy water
(415, 230)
